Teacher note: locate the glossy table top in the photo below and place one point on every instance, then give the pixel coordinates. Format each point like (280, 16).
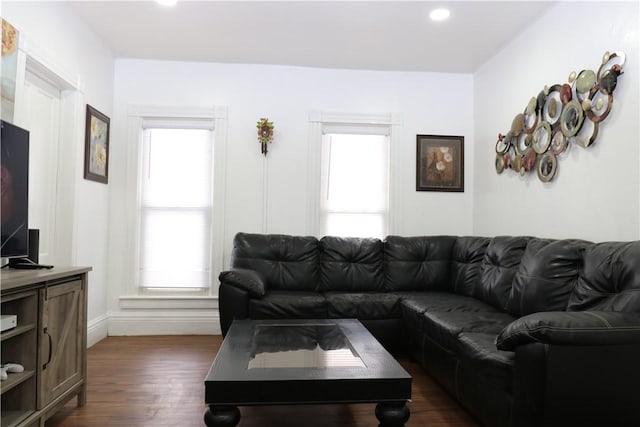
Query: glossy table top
(303, 361)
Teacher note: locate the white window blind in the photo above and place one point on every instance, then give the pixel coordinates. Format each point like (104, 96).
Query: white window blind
(175, 208)
(355, 184)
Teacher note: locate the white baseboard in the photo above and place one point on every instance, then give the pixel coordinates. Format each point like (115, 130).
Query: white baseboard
(97, 329)
(164, 323)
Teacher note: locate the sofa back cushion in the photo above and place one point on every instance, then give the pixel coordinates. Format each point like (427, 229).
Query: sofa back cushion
(287, 262)
(548, 272)
(351, 264)
(417, 263)
(466, 260)
(499, 266)
(610, 278)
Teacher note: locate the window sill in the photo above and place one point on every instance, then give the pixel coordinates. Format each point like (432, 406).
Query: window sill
(132, 302)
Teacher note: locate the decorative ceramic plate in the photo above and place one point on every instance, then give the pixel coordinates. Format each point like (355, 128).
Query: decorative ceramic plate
(552, 108)
(502, 145)
(601, 104)
(531, 115)
(547, 167)
(541, 137)
(499, 163)
(571, 118)
(529, 160)
(523, 144)
(583, 84)
(609, 60)
(558, 142)
(587, 134)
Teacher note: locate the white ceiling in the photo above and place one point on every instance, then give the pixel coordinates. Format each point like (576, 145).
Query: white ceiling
(374, 35)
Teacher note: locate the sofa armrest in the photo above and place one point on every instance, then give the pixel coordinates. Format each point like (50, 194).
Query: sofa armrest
(578, 328)
(249, 280)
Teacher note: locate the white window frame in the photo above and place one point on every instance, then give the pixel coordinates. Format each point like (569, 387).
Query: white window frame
(325, 211)
(139, 118)
(205, 211)
(323, 122)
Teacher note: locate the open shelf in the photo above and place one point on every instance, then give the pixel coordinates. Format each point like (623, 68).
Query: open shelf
(17, 331)
(12, 418)
(14, 380)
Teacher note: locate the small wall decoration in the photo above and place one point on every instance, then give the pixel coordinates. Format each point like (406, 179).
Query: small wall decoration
(560, 116)
(9, 67)
(440, 163)
(96, 146)
(265, 134)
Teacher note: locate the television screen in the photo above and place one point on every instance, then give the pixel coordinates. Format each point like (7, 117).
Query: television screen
(14, 190)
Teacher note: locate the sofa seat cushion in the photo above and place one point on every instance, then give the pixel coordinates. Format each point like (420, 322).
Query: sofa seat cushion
(445, 327)
(363, 305)
(289, 305)
(414, 304)
(478, 350)
(442, 301)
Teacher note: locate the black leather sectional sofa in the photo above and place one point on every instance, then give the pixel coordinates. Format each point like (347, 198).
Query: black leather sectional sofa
(522, 331)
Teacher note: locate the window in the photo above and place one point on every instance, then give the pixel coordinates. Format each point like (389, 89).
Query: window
(355, 183)
(352, 174)
(176, 198)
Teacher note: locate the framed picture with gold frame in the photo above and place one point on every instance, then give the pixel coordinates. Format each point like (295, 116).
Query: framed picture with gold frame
(439, 163)
(96, 146)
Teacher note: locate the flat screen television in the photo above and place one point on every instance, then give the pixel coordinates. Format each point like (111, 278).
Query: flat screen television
(14, 187)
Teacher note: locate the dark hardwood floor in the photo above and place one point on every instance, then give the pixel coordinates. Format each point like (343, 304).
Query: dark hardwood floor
(159, 381)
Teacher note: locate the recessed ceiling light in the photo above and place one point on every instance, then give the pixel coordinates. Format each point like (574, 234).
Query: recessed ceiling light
(439, 14)
(167, 3)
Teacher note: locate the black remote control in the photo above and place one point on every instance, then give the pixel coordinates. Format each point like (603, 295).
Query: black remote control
(30, 266)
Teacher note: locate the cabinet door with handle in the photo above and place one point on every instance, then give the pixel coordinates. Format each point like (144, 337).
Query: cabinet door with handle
(61, 337)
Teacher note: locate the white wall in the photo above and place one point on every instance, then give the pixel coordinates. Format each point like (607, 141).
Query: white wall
(596, 192)
(54, 32)
(427, 103)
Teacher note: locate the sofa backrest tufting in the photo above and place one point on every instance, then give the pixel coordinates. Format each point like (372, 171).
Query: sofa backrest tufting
(287, 262)
(610, 278)
(466, 262)
(417, 263)
(520, 275)
(499, 266)
(351, 264)
(548, 272)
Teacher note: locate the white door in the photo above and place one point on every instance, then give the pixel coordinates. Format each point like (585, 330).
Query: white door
(42, 119)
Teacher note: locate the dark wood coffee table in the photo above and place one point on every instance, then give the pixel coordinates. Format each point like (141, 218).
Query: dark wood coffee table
(284, 362)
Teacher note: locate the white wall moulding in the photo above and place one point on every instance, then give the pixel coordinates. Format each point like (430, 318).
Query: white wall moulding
(97, 329)
(151, 111)
(135, 302)
(42, 63)
(192, 322)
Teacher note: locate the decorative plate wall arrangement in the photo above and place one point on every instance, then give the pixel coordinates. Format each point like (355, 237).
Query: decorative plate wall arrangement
(560, 116)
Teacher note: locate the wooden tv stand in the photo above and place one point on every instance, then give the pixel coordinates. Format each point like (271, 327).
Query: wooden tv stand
(50, 341)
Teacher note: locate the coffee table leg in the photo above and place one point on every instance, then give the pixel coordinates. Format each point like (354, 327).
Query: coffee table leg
(392, 414)
(222, 416)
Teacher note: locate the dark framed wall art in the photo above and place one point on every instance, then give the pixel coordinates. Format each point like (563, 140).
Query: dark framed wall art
(439, 163)
(96, 146)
